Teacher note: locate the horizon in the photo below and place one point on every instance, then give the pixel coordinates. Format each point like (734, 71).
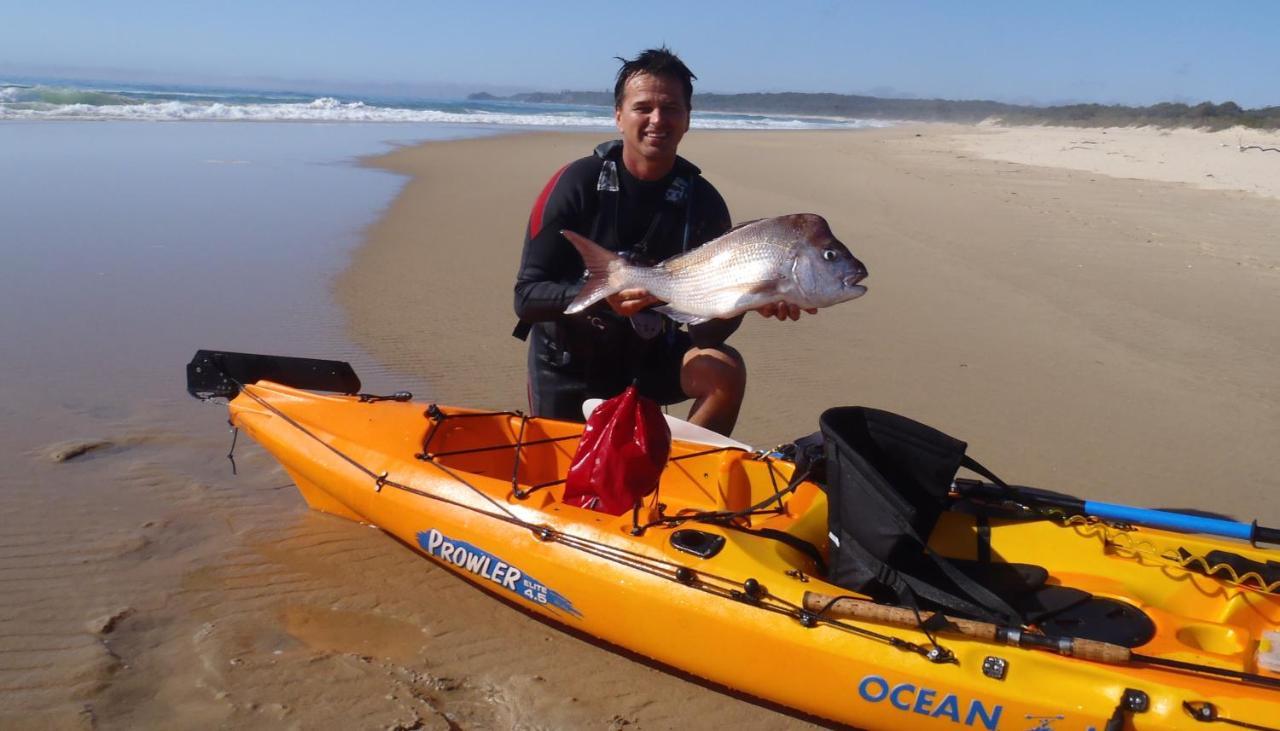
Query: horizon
(1137, 54)
(386, 91)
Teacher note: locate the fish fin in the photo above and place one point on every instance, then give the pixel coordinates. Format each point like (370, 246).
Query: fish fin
(766, 288)
(683, 318)
(741, 225)
(601, 264)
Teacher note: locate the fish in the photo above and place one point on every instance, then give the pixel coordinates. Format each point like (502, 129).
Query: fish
(793, 259)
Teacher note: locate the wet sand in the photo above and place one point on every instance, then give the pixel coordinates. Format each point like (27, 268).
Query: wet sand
(1109, 335)
(142, 583)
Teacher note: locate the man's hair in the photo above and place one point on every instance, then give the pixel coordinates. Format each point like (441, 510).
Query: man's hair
(655, 62)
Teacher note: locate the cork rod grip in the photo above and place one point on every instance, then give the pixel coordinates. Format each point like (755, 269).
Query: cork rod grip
(1100, 651)
(850, 608)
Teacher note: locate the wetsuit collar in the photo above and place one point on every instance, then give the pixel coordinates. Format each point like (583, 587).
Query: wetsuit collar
(612, 150)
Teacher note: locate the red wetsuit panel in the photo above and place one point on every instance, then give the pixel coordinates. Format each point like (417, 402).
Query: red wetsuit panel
(540, 205)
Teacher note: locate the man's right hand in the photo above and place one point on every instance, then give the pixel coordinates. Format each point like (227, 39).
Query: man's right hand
(785, 311)
(630, 301)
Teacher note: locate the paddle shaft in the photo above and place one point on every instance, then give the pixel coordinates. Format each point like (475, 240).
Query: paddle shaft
(1251, 532)
(850, 608)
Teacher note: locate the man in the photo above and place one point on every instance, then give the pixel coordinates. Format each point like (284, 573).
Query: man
(639, 198)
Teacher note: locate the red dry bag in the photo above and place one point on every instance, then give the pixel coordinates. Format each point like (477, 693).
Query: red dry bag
(624, 447)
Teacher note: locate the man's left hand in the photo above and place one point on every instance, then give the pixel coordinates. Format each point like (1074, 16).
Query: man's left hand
(630, 301)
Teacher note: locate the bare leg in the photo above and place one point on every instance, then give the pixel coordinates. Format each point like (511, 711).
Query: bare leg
(716, 380)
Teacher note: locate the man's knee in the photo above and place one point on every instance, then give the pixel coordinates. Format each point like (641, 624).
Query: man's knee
(707, 370)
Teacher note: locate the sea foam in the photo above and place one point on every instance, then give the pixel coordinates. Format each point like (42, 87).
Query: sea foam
(63, 103)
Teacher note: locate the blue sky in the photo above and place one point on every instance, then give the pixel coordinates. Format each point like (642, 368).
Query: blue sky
(1134, 52)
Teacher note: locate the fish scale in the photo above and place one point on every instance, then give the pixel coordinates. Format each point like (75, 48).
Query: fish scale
(722, 279)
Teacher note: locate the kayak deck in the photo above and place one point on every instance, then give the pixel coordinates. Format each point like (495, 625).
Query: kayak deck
(488, 484)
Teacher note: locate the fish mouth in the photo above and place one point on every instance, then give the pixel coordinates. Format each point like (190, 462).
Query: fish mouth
(853, 279)
(851, 286)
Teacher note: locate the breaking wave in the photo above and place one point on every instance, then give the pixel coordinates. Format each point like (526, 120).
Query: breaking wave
(22, 102)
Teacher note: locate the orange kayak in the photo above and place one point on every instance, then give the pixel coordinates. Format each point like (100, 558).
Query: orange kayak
(725, 599)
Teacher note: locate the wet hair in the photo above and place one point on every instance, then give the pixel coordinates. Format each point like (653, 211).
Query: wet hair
(655, 62)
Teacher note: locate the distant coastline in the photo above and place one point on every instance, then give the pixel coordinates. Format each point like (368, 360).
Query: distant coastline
(71, 99)
(1205, 115)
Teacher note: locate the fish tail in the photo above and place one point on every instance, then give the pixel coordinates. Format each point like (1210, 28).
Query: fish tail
(602, 265)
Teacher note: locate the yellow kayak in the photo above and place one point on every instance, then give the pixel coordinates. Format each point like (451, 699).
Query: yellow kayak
(702, 579)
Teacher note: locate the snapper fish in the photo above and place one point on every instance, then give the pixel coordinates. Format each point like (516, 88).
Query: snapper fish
(793, 259)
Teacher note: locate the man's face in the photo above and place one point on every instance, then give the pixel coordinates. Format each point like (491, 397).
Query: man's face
(653, 116)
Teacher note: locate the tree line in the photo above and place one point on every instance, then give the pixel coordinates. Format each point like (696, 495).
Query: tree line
(1205, 115)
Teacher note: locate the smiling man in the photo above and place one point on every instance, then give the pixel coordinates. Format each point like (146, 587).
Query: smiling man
(637, 197)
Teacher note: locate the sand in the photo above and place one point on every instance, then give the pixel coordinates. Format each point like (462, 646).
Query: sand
(1086, 319)
(1109, 335)
(1235, 159)
(1098, 323)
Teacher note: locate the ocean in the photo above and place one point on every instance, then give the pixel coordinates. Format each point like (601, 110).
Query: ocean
(36, 99)
(128, 245)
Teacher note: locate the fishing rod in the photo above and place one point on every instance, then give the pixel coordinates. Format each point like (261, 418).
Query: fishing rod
(1251, 532)
(825, 605)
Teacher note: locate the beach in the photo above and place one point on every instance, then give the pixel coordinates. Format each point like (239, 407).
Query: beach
(1106, 335)
(1093, 311)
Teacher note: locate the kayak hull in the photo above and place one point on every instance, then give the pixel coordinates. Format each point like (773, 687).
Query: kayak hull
(591, 573)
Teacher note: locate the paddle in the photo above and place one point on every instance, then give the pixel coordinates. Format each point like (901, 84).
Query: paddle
(1251, 532)
(825, 605)
(682, 430)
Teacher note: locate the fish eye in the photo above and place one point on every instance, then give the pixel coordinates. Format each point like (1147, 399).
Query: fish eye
(830, 254)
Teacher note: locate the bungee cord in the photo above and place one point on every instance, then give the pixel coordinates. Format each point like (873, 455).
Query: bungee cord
(749, 591)
(1125, 544)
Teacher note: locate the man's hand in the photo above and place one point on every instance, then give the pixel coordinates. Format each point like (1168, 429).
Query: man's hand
(784, 311)
(630, 301)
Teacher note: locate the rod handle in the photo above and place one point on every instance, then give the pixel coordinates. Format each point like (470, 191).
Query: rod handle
(1100, 651)
(850, 608)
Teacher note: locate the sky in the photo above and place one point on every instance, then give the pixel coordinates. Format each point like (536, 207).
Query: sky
(1032, 51)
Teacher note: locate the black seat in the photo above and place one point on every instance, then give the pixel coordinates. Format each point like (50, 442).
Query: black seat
(888, 481)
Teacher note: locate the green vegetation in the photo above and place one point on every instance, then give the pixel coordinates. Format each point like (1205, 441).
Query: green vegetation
(1205, 115)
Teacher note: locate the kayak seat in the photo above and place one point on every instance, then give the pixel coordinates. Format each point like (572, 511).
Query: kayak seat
(1015, 583)
(1055, 609)
(889, 481)
(1025, 586)
(1007, 579)
(1100, 619)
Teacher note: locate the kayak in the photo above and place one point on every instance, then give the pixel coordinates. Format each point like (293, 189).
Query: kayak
(703, 579)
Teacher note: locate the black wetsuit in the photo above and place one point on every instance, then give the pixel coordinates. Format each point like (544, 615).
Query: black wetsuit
(597, 353)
